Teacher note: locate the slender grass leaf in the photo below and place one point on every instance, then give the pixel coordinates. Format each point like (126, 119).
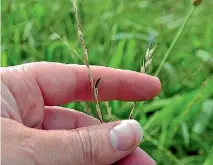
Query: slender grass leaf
(116, 59)
(204, 117)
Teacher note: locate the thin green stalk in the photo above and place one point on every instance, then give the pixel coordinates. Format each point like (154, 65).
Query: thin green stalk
(162, 148)
(188, 16)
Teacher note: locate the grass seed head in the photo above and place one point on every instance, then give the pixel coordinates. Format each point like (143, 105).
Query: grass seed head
(148, 59)
(197, 2)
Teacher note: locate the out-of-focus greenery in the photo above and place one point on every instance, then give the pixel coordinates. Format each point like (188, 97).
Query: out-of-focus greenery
(178, 124)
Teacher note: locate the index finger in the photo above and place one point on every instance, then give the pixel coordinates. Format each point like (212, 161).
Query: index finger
(61, 83)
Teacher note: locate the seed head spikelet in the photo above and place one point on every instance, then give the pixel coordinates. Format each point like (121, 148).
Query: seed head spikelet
(146, 63)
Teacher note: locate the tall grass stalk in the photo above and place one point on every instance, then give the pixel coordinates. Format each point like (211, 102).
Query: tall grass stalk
(180, 31)
(94, 85)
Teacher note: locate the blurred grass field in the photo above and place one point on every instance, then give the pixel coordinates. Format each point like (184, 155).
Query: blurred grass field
(178, 123)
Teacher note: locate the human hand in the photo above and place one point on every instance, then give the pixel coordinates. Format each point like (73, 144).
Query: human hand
(35, 131)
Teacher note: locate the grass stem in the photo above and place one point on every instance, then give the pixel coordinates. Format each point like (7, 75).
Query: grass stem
(188, 16)
(94, 86)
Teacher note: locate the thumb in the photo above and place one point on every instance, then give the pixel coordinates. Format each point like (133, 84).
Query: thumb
(102, 144)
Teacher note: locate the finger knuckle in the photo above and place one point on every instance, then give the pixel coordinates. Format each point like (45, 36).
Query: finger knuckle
(89, 151)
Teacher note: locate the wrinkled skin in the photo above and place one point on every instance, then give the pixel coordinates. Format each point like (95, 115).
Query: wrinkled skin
(36, 131)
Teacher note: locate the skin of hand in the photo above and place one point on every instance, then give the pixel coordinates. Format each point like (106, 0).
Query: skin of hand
(36, 131)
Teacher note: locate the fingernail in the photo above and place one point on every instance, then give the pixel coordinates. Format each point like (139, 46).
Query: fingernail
(126, 135)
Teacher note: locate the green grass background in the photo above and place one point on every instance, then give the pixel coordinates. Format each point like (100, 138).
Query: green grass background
(178, 124)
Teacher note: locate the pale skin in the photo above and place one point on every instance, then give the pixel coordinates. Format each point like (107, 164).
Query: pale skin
(36, 131)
